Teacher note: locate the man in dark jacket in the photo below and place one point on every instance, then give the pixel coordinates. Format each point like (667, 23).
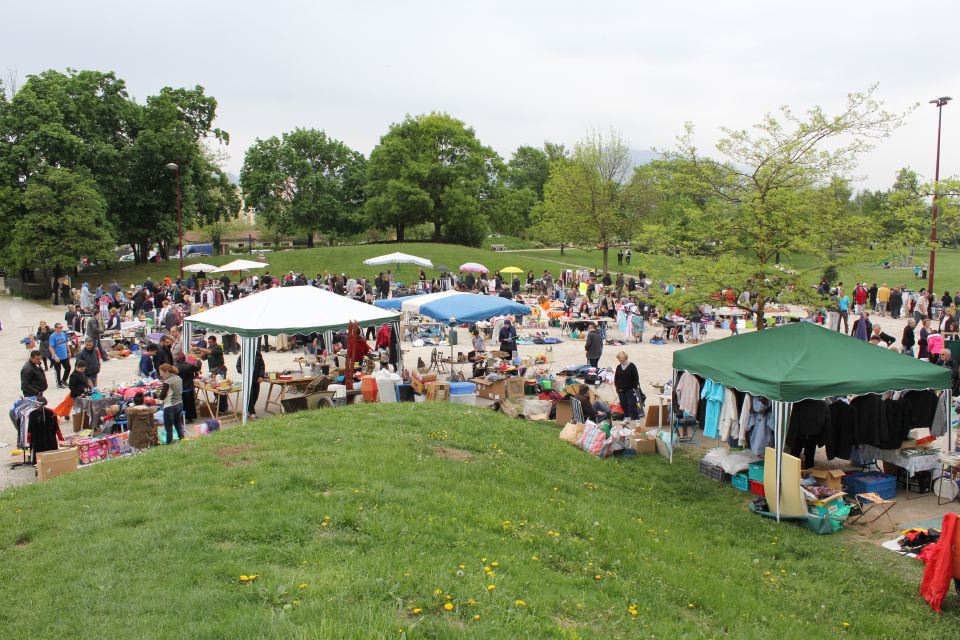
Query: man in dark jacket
(33, 380)
(90, 356)
(896, 302)
(593, 345)
(909, 339)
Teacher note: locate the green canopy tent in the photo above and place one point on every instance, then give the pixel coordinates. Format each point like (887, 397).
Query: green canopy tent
(801, 361)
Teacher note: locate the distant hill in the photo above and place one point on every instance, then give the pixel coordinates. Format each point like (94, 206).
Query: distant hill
(639, 157)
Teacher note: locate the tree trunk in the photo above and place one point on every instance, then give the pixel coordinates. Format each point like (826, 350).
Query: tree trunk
(606, 251)
(310, 240)
(436, 230)
(561, 249)
(761, 321)
(399, 232)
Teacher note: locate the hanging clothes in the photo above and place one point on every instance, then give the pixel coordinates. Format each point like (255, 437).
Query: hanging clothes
(43, 429)
(713, 393)
(760, 425)
(743, 429)
(809, 423)
(942, 416)
(729, 416)
(841, 434)
(688, 393)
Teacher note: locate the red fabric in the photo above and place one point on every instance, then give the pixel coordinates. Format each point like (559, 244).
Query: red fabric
(63, 409)
(383, 337)
(939, 569)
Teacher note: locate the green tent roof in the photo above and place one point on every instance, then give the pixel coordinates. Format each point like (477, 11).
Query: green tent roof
(802, 360)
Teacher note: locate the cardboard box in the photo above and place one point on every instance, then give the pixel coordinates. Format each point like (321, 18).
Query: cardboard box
(438, 390)
(418, 382)
(93, 449)
(832, 478)
(826, 506)
(653, 416)
(80, 421)
(564, 412)
(51, 464)
(505, 388)
(644, 446)
(119, 444)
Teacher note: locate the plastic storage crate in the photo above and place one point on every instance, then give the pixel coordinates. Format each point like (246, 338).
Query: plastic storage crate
(755, 471)
(757, 488)
(871, 482)
(712, 471)
(740, 481)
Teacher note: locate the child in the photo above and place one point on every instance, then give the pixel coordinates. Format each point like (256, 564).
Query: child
(146, 368)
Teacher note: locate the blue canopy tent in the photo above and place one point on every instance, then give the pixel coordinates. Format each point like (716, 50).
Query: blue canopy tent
(393, 303)
(472, 307)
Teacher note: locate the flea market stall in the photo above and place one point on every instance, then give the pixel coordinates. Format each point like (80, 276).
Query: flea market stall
(797, 368)
(284, 310)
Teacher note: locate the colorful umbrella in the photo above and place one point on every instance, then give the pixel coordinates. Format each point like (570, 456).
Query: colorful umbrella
(474, 266)
(511, 270)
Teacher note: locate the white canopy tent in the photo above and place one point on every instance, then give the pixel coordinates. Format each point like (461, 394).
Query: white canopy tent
(414, 303)
(398, 258)
(200, 266)
(240, 265)
(290, 310)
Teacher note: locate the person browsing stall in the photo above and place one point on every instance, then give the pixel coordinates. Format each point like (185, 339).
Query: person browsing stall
(171, 394)
(626, 379)
(508, 337)
(593, 346)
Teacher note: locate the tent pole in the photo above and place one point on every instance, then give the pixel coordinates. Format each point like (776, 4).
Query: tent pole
(248, 356)
(777, 444)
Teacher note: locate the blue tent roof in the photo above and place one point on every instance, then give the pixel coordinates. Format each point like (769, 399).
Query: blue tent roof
(393, 303)
(472, 307)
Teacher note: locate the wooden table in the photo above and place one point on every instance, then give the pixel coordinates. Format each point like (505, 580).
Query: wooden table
(282, 393)
(566, 321)
(211, 397)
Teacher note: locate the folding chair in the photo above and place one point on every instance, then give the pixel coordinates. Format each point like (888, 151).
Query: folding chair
(870, 503)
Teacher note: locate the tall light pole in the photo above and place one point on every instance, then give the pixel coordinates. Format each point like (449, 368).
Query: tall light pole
(936, 181)
(173, 166)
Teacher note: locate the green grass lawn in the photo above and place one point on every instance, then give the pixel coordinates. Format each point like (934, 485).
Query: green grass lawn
(366, 522)
(345, 259)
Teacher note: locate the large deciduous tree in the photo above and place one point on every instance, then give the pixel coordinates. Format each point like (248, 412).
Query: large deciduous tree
(432, 169)
(64, 220)
(85, 121)
(305, 181)
(774, 194)
(588, 200)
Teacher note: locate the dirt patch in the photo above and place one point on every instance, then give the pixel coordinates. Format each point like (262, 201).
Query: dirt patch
(450, 453)
(227, 454)
(22, 540)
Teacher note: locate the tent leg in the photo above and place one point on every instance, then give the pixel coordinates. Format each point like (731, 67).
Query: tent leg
(248, 356)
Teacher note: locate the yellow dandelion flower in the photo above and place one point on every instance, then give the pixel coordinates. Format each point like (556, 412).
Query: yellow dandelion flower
(448, 606)
(846, 625)
(535, 558)
(296, 603)
(476, 617)
(491, 587)
(471, 602)
(417, 611)
(302, 585)
(598, 578)
(493, 564)
(438, 592)
(690, 605)
(520, 603)
(244, 578)
(448, 597)
(486, 569)
(461, 566)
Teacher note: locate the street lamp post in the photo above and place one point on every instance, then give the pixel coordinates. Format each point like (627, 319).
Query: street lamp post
(172, 166)
(940, 102)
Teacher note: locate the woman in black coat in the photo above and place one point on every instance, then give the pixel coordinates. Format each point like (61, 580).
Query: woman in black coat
(626, 379)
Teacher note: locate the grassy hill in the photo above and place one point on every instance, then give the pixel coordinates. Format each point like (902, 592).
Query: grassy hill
(427, 521)
(346, 259)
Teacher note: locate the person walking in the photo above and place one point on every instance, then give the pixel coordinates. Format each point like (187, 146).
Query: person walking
(922, 308)
(60, 355)
(872, 296)
(923, 352)
(896, 302)
(94, 331)
(171, 394)
(908, 340)
(620, 258)
(626, 256)
(88, 355)
(42, 335)
(626, 380)
(593, 345)
(843, 311)
(33, 379)
(883, 299)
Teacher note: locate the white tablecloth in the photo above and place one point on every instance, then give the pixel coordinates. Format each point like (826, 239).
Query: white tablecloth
(912, 464)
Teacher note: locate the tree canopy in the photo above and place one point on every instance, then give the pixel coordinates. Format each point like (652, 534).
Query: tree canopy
(86, 122)
(305, 181)
(432, 169)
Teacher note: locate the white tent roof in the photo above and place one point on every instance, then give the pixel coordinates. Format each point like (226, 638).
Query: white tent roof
(289, 310)
(200, 266)
(399, 258)
(241, 265)
(413, 304)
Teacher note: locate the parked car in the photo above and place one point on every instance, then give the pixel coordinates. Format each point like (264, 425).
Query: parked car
(127, 258)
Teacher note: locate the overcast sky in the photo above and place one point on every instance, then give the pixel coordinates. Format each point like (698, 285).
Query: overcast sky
(517, 72)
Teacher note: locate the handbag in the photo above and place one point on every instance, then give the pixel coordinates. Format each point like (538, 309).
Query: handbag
(593, 440)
